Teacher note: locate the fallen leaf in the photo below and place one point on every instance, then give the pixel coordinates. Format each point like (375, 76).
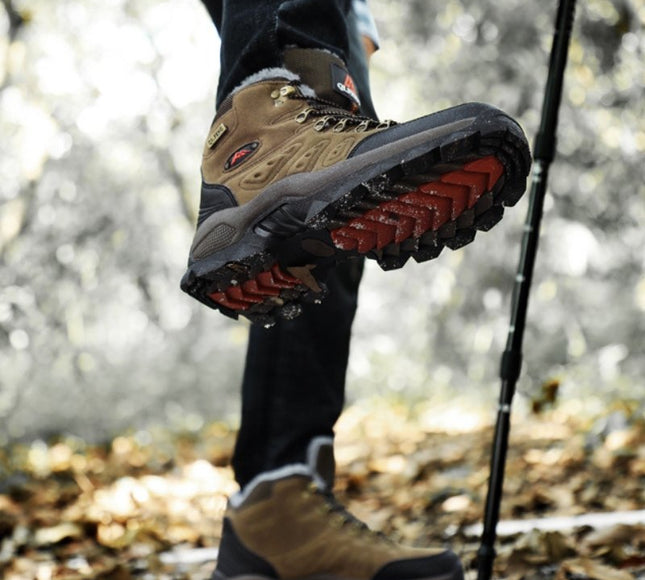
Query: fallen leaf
(616, 535)
(56, 534)
(590, 569)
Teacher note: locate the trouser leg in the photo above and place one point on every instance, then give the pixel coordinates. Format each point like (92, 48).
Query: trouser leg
(254, 33)
(294, 380)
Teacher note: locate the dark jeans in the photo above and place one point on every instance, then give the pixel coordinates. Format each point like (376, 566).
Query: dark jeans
(294, 381)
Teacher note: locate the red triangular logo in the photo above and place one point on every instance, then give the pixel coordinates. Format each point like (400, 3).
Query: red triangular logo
(242, 154)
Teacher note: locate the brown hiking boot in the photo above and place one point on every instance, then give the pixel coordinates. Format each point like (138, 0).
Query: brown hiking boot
(294, 181)
(286, 524)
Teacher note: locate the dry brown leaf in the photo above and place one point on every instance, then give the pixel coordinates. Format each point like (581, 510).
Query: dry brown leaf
(591, 569)
(130, 502)
(614, 536)
(637, 466)
(56, 534)
(119, 572)
(116, 536)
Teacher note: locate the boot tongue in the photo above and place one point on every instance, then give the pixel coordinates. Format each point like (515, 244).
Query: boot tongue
(325, 73)
(320, 460)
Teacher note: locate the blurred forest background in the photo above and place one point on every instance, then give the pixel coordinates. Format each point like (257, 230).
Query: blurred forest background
(104, 106)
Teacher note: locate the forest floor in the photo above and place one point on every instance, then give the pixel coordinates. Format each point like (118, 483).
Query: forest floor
(149, 504)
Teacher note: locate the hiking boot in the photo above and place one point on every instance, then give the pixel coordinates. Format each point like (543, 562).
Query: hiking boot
(286, 524)
(295, 181)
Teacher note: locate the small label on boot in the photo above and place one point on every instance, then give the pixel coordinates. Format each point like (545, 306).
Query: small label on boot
(216, 135)
(241, 155)
(344, 84)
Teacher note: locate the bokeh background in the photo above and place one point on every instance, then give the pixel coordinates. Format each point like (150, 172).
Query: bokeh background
(104, 106)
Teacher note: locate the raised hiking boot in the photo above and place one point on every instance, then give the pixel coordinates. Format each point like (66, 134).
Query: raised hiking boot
(287, 525)
(295, 182)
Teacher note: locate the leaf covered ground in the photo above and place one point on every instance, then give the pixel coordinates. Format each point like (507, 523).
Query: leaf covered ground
(149, 504)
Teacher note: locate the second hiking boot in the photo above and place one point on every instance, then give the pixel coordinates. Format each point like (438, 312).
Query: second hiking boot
(287, 525)
(293, 182)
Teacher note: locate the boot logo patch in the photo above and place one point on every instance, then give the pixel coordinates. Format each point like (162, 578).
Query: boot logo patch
(217, 134)
(241, 155)
(344, 84)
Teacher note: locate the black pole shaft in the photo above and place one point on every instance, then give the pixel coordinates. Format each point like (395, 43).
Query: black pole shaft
(543, 152)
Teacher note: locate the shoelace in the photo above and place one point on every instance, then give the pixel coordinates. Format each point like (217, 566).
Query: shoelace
(329, 113)
(343, 517)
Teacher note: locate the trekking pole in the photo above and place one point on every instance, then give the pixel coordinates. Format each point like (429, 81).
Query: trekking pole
(543, 154)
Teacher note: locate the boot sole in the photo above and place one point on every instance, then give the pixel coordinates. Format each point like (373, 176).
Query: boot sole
(406, 199)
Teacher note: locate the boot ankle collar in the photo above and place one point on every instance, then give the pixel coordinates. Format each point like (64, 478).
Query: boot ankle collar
(273, 74)
(284, 472)
(319, 468)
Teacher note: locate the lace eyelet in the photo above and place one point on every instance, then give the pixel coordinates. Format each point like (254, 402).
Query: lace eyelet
(287, 90)
(321, 125)
(281, 95)
(340, 126)
(322, 510)
(338, 521)
(362, 127)
(385, 124)
(304, 115)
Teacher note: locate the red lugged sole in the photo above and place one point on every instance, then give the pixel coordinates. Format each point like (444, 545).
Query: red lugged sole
(410, 215)
(427, 208)
(265, 285)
